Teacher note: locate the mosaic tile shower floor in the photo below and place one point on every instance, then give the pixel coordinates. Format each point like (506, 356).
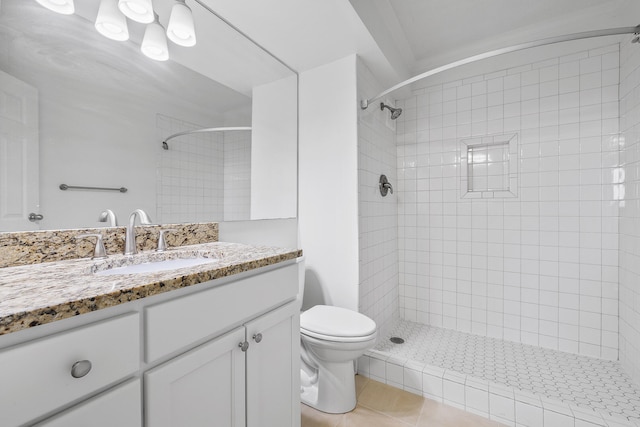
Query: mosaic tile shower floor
(576, 380)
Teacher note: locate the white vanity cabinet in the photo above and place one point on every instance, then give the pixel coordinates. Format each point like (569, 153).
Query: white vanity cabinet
(246, 377)
(121, 406)
(39, 376)
(223, 352)
(203, 387)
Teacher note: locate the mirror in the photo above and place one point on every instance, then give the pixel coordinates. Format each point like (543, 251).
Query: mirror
(80, 109)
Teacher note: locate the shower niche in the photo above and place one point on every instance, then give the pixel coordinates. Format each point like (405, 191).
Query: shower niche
(489, 167)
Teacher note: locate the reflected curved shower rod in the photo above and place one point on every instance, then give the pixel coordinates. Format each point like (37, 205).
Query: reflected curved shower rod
(364, 104)
(187, 132)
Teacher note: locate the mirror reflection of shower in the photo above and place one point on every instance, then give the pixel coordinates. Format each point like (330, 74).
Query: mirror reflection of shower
(165, 146)
(395, 112)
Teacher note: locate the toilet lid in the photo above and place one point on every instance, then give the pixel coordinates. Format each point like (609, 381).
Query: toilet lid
(336, 322)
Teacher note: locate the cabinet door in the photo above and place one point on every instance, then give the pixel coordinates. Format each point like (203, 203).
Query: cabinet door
(273, 368)
(203, 387)
(120, 407)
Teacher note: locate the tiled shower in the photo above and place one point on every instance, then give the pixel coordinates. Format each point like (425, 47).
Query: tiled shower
(518, 221)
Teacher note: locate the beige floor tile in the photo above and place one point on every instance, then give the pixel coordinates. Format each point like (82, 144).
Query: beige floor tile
(360, 383)
(314, 418)
(365, 417)
(391, 401)
(436, 414)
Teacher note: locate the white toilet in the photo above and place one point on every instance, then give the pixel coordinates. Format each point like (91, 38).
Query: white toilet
(331, 339)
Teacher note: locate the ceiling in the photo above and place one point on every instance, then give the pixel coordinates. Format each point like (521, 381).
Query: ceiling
(401, 38)
(430, 33)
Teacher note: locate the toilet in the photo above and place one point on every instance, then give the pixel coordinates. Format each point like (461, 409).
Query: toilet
(331, 339)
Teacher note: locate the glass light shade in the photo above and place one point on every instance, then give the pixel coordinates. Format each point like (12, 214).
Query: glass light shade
(65, 7)
(181, 30)
(137, 10)
(110, 22)
(154, 43)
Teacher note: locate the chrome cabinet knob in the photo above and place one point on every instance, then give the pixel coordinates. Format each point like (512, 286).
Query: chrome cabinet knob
(244, 346)
(257, 337)
(80, 368)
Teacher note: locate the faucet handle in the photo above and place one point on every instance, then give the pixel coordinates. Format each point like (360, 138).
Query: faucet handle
(162, 243)
(99, 251)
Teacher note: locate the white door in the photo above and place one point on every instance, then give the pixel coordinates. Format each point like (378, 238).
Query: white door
(19, 193)
(273, 368)
(203, 387)
(120, 407)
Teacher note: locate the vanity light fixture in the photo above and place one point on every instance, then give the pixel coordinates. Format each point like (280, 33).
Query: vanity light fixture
(138, 10)
(181, 29)
(65, 7)
(110, 22)
(154, 43)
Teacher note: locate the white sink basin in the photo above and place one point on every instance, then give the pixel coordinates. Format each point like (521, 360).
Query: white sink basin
(156, 266)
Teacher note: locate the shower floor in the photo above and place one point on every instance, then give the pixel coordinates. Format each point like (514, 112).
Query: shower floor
(589, 389)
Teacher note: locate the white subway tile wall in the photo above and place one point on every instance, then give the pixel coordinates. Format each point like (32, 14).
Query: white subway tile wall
(194, 181)
(378, 220)
(627, 187)
(542, 268)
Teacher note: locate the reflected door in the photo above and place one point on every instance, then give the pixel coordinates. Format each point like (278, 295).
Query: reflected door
(19, 192)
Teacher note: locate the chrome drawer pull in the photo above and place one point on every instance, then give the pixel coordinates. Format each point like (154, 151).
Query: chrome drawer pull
(244, 346)
(80, 368)
(257, 337)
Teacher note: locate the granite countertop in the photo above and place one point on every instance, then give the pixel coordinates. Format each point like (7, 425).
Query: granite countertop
(36, 294)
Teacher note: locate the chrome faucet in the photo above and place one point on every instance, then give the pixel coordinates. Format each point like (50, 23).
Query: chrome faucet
(108, 214)
(130, 234)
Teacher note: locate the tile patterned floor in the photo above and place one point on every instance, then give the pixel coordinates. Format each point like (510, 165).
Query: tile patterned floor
(577, 380)
(380, 405)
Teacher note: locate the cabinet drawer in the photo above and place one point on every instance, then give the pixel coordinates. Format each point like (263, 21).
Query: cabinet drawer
(178, 323)
(36, 377)
(121, 407)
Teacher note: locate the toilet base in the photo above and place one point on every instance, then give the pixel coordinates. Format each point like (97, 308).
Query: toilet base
(334, 391)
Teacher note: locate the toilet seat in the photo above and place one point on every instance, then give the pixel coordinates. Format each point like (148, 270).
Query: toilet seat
(336, 324)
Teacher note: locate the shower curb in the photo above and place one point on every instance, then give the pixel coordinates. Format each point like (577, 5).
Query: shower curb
(502, 403)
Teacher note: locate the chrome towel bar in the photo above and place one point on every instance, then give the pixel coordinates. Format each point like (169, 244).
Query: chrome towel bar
(65, 187)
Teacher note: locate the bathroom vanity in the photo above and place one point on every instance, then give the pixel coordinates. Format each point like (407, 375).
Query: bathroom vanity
(179, 347)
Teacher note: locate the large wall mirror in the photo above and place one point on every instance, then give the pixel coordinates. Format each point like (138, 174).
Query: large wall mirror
(79, 109)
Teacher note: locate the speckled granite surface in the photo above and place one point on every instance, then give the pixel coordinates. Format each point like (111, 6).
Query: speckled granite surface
(32, 247)
(42, 293)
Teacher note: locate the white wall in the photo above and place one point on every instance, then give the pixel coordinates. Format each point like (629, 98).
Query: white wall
(273, 149)
(328, 181)
(540, 268)
(377, 219)
(630, 209)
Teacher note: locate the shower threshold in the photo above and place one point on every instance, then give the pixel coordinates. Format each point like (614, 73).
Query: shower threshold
(509, 382)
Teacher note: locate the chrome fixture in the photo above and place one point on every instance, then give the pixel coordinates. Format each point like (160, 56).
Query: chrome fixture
(364, 104)
(80, 368)
(65, 187)
(395, 112)
(108, 214)
(162, 243)
(99, 252)
(385, 186)
(130, 234)
(187, 132)
(33, 217)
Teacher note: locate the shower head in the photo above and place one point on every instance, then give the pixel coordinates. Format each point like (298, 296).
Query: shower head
(395, 112)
